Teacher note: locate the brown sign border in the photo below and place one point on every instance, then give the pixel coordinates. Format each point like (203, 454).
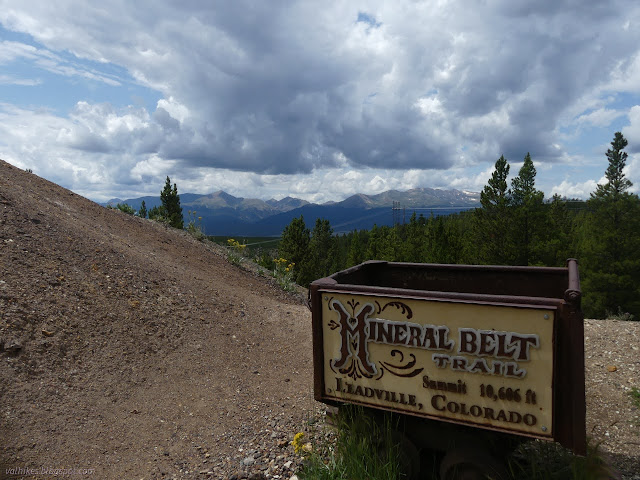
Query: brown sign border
(569, 407)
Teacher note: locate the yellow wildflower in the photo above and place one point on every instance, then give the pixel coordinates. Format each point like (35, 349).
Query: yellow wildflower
(298, 445)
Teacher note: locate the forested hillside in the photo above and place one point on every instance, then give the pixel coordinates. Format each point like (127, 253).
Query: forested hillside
(513, 226)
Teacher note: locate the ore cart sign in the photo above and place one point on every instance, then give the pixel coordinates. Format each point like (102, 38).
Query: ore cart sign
(481, 364)
(481, 359)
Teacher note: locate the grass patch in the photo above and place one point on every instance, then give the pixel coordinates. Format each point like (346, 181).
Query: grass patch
(366, 448)
(255, 245)
(620, 315)
(235, 252)
(283, 274)
(279, 268)
(635, 396)
(194, 226)
(362, 449)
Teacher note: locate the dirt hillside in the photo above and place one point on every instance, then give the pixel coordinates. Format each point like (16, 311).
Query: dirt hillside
(129, 350)
(134, 350)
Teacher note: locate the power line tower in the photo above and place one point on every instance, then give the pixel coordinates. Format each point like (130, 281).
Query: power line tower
(398, 212)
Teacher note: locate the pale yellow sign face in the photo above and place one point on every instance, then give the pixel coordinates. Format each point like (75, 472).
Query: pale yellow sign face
(480, 364)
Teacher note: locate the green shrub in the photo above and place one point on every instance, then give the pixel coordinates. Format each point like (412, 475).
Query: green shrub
(194, 226)
(635, 396)
(128, 209)
(363, 448)
(235, 252)
(620, 315)
(265, 259)
(542, 460)
(283, 273)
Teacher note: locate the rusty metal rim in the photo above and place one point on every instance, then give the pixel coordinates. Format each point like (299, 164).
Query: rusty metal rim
(454, 297)
(455, 266)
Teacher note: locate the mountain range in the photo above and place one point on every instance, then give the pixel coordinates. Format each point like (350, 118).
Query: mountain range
(224, 214)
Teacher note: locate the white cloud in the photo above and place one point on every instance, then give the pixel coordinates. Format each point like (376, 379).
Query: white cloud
(602, 117)
(632, 132)
(11, 80)
(574, 190)
(409, 94)
(153, 169)
(174, 108)
(632, 172)
(51, 62)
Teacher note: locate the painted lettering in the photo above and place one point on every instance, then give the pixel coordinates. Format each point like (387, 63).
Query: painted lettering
(490, 343)
(355, 335)
(459, 387)
(400, 398)
(480, 365)
(441, 404)
(434, 402)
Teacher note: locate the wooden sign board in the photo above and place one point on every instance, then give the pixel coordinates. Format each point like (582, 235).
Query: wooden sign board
(490, 347)
(485, 365)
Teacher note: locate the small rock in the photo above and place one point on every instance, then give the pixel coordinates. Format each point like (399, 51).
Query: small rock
(612, 368)
(12, 346)
(248, 461)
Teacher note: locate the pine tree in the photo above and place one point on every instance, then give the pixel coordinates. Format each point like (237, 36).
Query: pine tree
(158, 213)
(294, 247)
(373, 244)
(495, 194)
(616, 184)
(142, 213)
(610, 241)
(527, 203)
(414, 245)
(318, 264)
(390, 244)
(177, 220)
(556, 241)
(338, 253)
(355, 254)
(171, 205)
(493, 222)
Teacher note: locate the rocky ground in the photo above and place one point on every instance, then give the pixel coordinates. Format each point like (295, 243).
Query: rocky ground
(129, 350)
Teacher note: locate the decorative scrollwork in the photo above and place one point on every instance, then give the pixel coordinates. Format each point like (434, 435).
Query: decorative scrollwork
(392, 369)
(405, 309)
(353, 304)
(352, 369)
(353, 360)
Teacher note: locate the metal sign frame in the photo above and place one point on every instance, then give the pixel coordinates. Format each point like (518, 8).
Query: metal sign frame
(538, 289)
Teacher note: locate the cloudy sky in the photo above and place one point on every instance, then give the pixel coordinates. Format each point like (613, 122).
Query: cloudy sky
(316, 99)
